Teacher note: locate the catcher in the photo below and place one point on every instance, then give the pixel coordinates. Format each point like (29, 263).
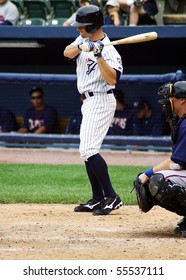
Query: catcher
(165, 183)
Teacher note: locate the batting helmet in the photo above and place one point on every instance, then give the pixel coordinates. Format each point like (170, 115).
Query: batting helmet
(177, 89)
(90, 16)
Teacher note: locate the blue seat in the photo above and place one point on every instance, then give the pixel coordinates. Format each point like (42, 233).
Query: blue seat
(38, 9)
(32, 22)
(63, 8)
(56, 21)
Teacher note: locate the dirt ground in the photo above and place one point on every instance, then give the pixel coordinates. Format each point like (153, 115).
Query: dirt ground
(56, 232)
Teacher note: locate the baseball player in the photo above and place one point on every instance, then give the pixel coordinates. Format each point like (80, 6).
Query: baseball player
(40, 117)
(98, 70)
(7, 120)
(121, 123)
(146, 120)
(165, 183)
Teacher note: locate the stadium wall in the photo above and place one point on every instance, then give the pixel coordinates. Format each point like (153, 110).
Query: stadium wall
(38, 52)
(61, 91)
(19, 54)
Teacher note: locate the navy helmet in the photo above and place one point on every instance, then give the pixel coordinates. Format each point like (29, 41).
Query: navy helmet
(90, 16)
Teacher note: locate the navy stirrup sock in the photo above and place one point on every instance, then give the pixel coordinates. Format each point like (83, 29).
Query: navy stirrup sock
(97, 192)
(99, 167)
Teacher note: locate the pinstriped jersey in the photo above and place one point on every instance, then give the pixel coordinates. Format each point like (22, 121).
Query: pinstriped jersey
(89, 77)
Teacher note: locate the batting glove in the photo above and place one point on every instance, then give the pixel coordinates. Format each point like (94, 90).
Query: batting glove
(98, 47)
(87, 46)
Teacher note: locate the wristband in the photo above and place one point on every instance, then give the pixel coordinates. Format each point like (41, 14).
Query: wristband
(149, 172)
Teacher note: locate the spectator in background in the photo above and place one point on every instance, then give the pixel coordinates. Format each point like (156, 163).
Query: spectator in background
(9, 14)
(113, 16)
(7, 121)
(82, 3)
(146, 121)
(173, 6)
(121, 123)
(40, 118)
(141, 12)
(73, 126)
(71, 19)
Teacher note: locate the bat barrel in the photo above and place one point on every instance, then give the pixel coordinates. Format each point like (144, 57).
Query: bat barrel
(143, 37)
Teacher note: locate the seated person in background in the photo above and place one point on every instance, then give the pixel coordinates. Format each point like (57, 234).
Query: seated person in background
(7, 120)
(121, 123)
(71, 19)
(113, 16)
(73, 126)
(9, 13)
(141, 12)
(146, 121)
(40, 118)
(173, 6)
(82, 3)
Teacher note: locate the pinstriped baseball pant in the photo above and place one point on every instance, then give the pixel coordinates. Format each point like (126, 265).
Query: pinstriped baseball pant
(98, 112)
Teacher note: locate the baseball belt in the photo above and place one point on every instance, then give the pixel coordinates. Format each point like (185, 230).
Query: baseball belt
(90, 93)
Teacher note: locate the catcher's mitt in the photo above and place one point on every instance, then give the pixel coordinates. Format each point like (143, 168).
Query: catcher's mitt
(145, 202)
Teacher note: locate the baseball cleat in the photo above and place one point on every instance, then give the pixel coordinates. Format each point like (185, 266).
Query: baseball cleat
(181, 228)
(90, 206)
(108, 204)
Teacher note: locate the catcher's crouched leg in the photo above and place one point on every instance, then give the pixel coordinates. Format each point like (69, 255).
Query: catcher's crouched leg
(181, 227)
(144, 198)
(167, 194)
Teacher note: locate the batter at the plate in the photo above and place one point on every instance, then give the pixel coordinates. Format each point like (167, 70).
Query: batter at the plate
(98, 71)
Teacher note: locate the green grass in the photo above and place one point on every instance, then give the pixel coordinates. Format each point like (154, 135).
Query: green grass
(41, 183)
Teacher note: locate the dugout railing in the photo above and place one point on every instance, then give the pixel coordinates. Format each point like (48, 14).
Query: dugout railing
(151, 81)
(145, 143)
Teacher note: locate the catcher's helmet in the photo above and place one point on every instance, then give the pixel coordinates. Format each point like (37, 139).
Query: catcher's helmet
(90, 16)
(177, 89)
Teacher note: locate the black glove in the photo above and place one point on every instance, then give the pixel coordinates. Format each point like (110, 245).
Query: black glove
(144, 199)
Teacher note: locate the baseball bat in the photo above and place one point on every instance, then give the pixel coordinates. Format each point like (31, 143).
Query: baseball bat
(143, 37)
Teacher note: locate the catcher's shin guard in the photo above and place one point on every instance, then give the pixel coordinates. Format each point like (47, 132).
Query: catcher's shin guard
(168, 195)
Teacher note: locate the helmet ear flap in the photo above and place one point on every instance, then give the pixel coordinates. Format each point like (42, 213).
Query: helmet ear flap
(91, 28)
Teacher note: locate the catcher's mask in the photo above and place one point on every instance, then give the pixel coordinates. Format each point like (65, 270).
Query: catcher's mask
(177, 90)
(89, 16)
